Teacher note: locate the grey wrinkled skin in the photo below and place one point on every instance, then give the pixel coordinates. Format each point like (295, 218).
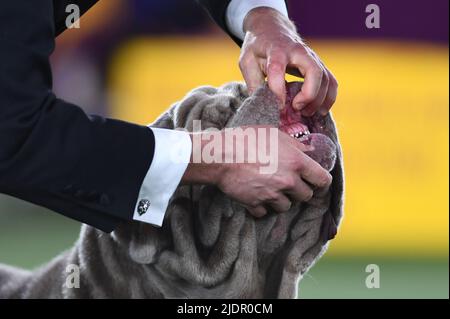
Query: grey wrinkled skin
(208, 247)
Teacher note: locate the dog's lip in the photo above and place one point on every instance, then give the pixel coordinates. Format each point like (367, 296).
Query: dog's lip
(296, 125)
(293, 123)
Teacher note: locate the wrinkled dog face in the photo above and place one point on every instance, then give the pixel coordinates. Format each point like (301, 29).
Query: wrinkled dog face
(209, 246)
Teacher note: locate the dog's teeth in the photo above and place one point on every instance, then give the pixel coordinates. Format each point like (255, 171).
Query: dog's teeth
(300, 134)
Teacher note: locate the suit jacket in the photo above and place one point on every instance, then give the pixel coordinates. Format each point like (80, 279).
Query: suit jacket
(52, 154)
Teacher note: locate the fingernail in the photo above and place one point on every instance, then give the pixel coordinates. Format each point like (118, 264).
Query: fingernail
(323, 111)
(300, 106)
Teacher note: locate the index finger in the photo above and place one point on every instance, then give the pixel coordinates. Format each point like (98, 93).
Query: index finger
(313, 74)
(276, 71)
(251, 72)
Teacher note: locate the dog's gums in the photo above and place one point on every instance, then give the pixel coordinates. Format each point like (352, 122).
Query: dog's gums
(291, 121)
(307, 130)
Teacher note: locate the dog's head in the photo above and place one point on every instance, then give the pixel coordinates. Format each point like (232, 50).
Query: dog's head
(209, 246)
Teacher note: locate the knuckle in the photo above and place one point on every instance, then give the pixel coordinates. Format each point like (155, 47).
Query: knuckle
(317, 70)
(325, 78)
(275, 67)
(299, 50)
(245, 60)
(269, 196)
(289, 182)
(254, 204)
(277, 56)
(325, 180)
(278, 181)
(334, 83)
(274, 197)
(276, 53)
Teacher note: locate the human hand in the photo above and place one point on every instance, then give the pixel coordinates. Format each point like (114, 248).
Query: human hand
(295, 176)
(273, 47)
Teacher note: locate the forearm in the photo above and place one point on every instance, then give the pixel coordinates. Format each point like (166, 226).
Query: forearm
(60, 155)
(229, 14)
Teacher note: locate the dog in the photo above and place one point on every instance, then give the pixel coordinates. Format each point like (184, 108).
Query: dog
(208, 246)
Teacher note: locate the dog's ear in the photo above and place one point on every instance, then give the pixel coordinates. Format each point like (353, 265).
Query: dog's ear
(165, 120)
(335, 211)
(334, 215)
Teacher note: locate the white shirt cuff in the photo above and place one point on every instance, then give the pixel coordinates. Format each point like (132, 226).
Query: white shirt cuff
(238, 9)
(172, 155)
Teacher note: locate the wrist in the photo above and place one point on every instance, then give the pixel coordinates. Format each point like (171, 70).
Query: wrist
(201, 169)
(263, 17)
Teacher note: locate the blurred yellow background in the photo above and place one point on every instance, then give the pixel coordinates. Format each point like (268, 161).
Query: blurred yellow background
(392, 114)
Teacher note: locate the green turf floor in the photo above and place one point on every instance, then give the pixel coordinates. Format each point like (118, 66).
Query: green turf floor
(30, 236)
(334, 277)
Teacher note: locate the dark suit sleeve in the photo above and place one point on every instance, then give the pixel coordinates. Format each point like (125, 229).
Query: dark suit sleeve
(60, 14)
(217, 9)
(51, 153)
